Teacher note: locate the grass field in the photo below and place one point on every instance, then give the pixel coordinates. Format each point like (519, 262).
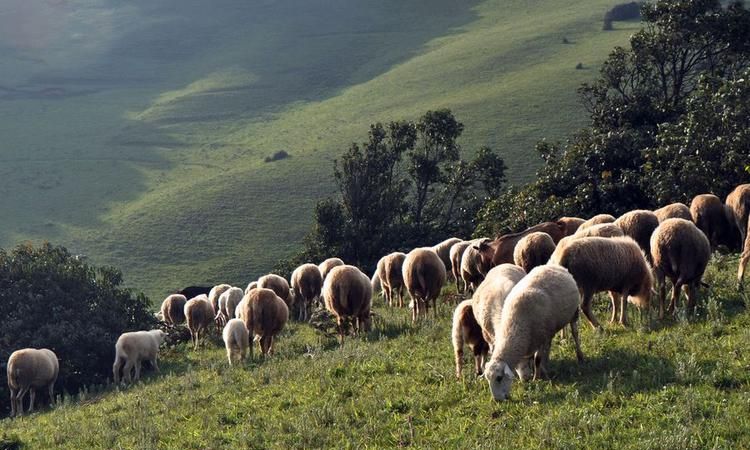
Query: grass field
(657, 385)
(145, 150)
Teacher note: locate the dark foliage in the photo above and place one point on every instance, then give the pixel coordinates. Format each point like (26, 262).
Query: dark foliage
(50, 298)
(281, 154)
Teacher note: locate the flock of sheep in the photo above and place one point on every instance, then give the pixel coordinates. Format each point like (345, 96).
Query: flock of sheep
(524, 288)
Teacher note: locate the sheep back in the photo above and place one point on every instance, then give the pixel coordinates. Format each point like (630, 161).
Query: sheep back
(533, 250)
(264, 312)
(32, 368)
(278, 285)
(423, 273)
(680, 250)
(490, 295)
(715, 220)
(347, 292)
(639, 224)
(596, 220)
(173, 309)
(673, 211)
(215, 293)
(570, 224)
(599, 230)
(443, 251)
(329, 264)
(307, 282)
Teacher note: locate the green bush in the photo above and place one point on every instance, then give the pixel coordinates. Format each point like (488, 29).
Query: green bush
(50, 298)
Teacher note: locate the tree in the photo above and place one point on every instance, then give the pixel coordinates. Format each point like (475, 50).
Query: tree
(643, 93)
(50, 298)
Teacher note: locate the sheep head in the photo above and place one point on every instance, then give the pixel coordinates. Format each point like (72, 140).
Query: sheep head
(500, 377)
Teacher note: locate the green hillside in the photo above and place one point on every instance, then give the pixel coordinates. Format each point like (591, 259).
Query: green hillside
(146, 150)
(676, 384)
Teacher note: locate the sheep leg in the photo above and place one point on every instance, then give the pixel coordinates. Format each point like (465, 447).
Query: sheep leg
(624, 309)
(615, 305)
(116, 370)
(675, 297)
(32, 396)
(459, 356)
(19, 400)
(137, 370)
(691, 293)
(744, 258)
(155, 364)
(576, 337)
(229, 355)
(341, 331)
(586, 307)
(662, 293)
(13, 402)
(127, 375)
(478, 363)
(51, 392)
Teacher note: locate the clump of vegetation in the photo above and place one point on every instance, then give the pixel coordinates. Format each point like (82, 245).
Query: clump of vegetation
(52, 299)
(405, 186)
(668, 121)
(277, 156)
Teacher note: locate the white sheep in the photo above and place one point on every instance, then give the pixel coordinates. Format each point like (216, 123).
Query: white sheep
(250, 286)
(30, 369)
(199, 315)
(540, 305)
(329, 264)
(348, 295)
(278, 285)
(443, 250)
(424, 276)
(264, 314)
(228, 302)
(236, 340)
(490, 295)
(471, 265)
(391, 277)
(616, 264)
(173, 309)
(132, 349)
(533, 250)
(456, 254)
(596, 220)
(307, 282)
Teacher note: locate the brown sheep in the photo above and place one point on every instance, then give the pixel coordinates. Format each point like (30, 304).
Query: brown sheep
(30, 369)
(264, 314)
(639, 224)
(739, 202)
(456, 253)
(596, 220)
(329, 264)
(348, 295)
(278, 285)
(600, 264)
(472, 272)
(213, 299)
(173, 309)
(673, 211)
(199, 316)
(307, 283)
(250, 286)
(715, 220)
(466, 330)
(533, 250)
(500, 250)
(443, 250)
(680, 251)
(424, 277)
(570, 224)
(391, 278)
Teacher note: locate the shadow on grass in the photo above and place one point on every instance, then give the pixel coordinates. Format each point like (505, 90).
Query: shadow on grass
(625, 371)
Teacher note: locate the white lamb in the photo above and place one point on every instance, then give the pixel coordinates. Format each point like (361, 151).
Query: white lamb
(132, 349)
(236, 340)
(540, 305)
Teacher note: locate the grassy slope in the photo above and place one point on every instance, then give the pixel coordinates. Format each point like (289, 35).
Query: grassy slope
(167, 181)
(681, 385)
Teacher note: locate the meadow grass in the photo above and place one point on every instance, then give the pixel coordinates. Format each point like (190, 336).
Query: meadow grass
(155, 165)
(682, 383)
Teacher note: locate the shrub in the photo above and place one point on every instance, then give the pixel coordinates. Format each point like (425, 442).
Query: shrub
(281, 154)
(50, 298)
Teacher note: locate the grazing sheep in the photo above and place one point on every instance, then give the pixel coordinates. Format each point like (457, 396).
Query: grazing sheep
(673, 211)
(228, 302)
(596, 220)
(456, 254)
(599, 230)
(307, 282)
(570, 224)
(614, 264)
(739, 202)
(236, 340)
(490, 295)
(329, 264)
(173, 309)
(199, 315)
(716, 220)
(264, 314)
(250, 286)
(194, 291)
(213, 299)
(391, 278)
(30, 369)
(424, 277)
(680, 251)
(443, 250)
(639, 224)
(132, 349)
(377, 285)
(348, 294)
(500, 250)
(471, 266)
(540, 305)
(466, 330)
(278, 285)
(533, 250)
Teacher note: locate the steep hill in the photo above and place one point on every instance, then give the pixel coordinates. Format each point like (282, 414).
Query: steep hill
(136, 134)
